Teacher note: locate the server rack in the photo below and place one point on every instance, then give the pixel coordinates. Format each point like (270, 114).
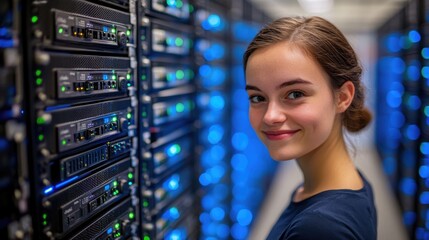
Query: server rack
(115, 122)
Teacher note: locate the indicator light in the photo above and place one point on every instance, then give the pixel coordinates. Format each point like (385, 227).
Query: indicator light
(144, 77)
(171, 2)
(179, 42)
(63, 88)
(115, 183)
(145, 203)
(34, 19)
(128, 32)
(179, 4)
(113, 30)
(146, 237)
(128, 76)
(38, 73)
(131, 215)
(60, 30)
(114, 119)
(41, 137)
(113, 77)
(129, 115)
(64, 142)
(130, 175)
(44, 216)
(117, 226)
(45, 223)
(40, 120)
(180, 107)
(39, 81)
(180, 74)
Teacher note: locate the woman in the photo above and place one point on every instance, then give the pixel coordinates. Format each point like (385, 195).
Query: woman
(304, 87)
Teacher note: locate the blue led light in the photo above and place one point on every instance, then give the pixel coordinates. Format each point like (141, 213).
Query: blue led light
(239, 162)
(425, 72)
(217, 153)
(414, 36)
(6, 43)
(424, 171)
(389, 165)
(105, 29)
(204, 218)
(239, 232)
(48, 190)
(109, 231)
(62, 184)
(394, 99)
(174, 213)
(214, 20)
(217, 214)
(222, 231)
(105, 77)
(397, 65)
(425, 53)
(424, 198)
(409, 218)
(414, 102)
(216, 133)
(173, 182)
(107, 187)
(205, 179)
(240, 141)
(413, 73)
(392, 42)
(4, 32)
(176, 234)
(217, 172)
(396, 119)
(205, 70)
(412, 132)
(408, 186)
(424, 148)
(244, 217)
(217, 102)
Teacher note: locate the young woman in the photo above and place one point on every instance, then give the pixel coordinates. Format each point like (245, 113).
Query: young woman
(304, 87)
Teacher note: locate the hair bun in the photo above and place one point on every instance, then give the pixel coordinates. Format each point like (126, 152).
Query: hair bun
(354, 121)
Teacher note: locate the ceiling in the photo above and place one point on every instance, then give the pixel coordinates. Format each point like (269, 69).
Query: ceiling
(351, 16)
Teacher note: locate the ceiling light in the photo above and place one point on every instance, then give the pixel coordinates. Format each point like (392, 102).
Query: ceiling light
(316, 6)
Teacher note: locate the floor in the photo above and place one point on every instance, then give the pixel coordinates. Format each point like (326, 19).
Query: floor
(366, 159)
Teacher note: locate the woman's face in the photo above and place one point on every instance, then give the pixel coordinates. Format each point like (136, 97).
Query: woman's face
(292, 106)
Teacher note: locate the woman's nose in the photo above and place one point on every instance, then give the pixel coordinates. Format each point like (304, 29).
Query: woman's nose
(274, 114)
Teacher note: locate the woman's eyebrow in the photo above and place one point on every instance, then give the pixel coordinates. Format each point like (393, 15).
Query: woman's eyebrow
(283, 85)
(250, 87)
(293, 82)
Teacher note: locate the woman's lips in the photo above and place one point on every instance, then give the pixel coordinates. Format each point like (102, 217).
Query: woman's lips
(279, 135)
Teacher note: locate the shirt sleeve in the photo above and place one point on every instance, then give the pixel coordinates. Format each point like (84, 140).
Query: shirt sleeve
(317, 226)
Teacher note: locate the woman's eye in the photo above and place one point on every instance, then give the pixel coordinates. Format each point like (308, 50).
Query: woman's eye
(295, 95)
(256, 99)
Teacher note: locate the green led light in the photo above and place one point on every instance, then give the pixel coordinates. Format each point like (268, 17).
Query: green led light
(129, 115)
(63, 88)
(40, 120)
(180, 107)
(113, 30)
(146, 237)
(144, 77)
(39, 81)
(191, 8)
(34, 19)
(38, 72)
(113, 77)
(128, 84)
(190, 73)
(115, 183)
(44, 216)
(145, 203)
(131, 215)
(179, 4)
(128, 32)
(171, 2)
(64, 142)
(130, 175)
(144, 114)
(60, 30)
(45, 223)
(117, 226)
(180, 74)
(128, 76)
(114, 119)
(41, 138)
(179, 42)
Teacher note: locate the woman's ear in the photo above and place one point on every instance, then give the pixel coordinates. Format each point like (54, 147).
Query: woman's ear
(345, 96)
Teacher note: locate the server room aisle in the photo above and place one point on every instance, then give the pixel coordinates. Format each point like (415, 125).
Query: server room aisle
(390, 226)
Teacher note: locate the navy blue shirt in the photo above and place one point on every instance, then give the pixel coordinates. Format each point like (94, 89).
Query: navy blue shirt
(330, 215)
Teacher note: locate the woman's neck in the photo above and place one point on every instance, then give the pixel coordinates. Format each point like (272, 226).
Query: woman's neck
(326, 168)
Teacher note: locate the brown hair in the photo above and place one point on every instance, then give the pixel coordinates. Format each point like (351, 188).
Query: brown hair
(322, 41)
